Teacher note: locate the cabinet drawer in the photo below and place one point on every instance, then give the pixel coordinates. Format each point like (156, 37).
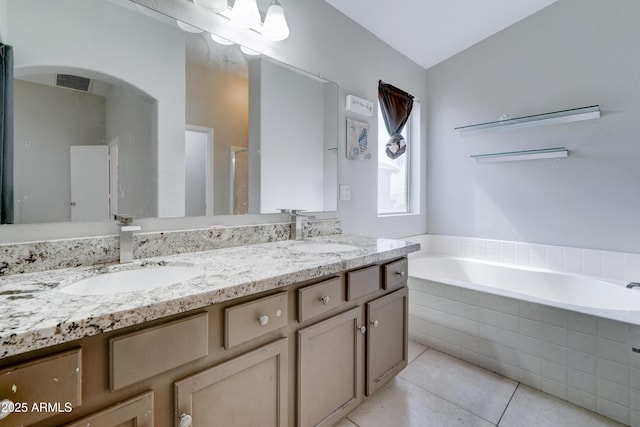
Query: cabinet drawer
(137, 412)
(143, 354)
(54, 381)
(317, 299)
(252, 319)
(395, 273)
(362, 282)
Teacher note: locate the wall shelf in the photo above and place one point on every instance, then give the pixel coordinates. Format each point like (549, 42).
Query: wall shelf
(512, 156)
(563, 116)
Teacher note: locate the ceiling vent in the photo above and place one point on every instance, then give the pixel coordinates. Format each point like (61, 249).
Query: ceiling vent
(73, 82)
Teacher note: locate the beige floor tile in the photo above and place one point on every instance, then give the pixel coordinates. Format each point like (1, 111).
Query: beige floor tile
(415, 350)
(479, 391)
(531, 407)
(402, 404)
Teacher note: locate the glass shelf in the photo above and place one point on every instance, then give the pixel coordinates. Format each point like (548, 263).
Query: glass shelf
(511, 156)
(564, 116)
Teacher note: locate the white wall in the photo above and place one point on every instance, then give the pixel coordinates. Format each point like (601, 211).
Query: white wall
(48, 121)
(130, 118)
(3, 21)
(291, 113)
(572, 54)
(147, 54)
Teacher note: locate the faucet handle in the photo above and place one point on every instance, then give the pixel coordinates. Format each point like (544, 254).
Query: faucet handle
(297, 211)
(284, 210)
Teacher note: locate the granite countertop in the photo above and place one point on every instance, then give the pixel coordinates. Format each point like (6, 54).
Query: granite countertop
(36, 315)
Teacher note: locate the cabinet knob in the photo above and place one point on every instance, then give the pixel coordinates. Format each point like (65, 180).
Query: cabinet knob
(186, 420)
(263, 320)
(325, 300)
(6, 408)
(363, 329)
(375, 323)
(400, 273)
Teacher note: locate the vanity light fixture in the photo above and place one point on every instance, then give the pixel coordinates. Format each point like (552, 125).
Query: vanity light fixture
(212, 5)
(248, 51)
(246, 13)
(275, 24)
(221, 40)
(188, 28)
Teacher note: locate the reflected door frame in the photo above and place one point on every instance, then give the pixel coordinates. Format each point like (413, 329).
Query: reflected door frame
(208, 164)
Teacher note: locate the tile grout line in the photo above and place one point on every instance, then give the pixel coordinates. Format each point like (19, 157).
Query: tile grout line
(508, 403)
(449, 401)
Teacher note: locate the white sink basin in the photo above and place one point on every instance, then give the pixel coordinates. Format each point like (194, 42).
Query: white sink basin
(323, 248)
(139, 279)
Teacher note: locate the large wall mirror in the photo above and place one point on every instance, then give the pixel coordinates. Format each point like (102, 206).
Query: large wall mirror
(122, 110)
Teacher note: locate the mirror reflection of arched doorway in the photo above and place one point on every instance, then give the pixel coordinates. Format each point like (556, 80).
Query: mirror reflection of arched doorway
(82, 137)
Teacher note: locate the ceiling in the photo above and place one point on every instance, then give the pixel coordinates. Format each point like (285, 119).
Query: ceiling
(430, 31)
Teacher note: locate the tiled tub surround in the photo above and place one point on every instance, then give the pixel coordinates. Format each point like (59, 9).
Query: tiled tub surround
(35, 315)
(585, 359)
(51, 254)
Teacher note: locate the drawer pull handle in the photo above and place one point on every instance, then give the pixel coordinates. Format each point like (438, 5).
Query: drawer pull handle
(185, 420)
(325, 300)
(363, 329)
(263, 320)
(375, 323)
(6, 408)
(400, 273)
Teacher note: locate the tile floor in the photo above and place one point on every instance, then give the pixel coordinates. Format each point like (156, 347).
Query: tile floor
(439, 390)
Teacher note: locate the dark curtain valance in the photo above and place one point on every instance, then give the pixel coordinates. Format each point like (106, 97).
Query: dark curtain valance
(396, 106)
(6, 134)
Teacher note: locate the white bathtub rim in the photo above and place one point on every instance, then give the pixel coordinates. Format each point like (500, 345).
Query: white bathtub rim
(623, 315)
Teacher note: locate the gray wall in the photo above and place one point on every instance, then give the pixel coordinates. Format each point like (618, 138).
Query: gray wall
(572, 54)
(129, 118)
(48, 121)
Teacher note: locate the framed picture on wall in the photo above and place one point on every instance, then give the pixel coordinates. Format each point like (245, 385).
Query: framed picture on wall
(358, 140)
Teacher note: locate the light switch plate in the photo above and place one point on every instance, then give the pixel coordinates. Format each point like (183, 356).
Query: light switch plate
(345, 192)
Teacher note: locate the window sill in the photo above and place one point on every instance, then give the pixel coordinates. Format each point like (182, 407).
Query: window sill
(391, 215)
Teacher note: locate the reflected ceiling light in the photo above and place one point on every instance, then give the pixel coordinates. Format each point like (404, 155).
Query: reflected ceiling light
(212, 5)
(246, 13)
(248, 51)
(188, 28)
(221, 40)
(275, 24)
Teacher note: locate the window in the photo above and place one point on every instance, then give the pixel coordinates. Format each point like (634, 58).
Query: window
(395, 176)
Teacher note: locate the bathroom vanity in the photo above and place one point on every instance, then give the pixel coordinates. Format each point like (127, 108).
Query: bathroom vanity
(270, 334)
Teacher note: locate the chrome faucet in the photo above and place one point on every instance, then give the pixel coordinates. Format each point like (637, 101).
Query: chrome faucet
(633, 285)
(296, 216)
(126, 237)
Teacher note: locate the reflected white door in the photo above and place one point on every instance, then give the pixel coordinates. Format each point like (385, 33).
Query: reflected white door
(89, 182)
(198, 157)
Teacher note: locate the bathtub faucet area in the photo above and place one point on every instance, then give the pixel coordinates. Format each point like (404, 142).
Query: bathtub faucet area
(633, 285)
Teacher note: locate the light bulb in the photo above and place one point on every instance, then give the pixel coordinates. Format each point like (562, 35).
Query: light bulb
(246, 13)
(275, 24)
(212, 5)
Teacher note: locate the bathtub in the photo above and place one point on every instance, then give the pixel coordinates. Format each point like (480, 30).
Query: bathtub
(575, 337)
(584, 294)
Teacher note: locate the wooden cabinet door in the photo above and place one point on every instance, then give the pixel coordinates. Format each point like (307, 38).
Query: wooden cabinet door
(387, 340)
(329, 368)
(249, 390)
(135, 412)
